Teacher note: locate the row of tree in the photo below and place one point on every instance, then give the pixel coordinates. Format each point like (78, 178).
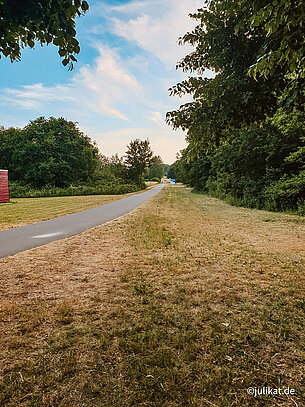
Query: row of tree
(55, 153)
(245, 126)
(48, 152)
(157, 169)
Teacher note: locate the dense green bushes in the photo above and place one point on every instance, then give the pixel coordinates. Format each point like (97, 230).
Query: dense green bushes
(48, 152)
(27, 191)
(109, 178)
(245, 125)
(287, 193)
(52, 157)
(262, 167)
(156, 169)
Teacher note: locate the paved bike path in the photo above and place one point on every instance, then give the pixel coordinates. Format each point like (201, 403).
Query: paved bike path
(22, 238)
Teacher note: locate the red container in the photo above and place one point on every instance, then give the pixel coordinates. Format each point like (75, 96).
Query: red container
(4, 193)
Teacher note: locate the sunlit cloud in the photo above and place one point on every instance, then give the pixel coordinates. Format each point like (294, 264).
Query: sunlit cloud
(165, 141)
(99, 87)
(157, 29)
(121, 92)
(156, 117)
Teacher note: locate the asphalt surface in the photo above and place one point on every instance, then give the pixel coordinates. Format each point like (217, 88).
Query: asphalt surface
(22, 238)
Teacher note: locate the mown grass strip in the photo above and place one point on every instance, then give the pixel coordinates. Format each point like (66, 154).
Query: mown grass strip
(22, 211)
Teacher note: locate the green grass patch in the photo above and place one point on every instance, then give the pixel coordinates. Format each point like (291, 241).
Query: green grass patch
(23, 211)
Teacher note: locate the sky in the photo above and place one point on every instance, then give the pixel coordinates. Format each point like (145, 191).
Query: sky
(118, 90)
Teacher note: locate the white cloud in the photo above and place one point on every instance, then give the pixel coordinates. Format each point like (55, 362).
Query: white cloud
(38, 91)
(98, 88)
(156, 26)
(122, 87)
(156, 117)
(164, 141)
(32, 96)
(138, 6)
(107, 83)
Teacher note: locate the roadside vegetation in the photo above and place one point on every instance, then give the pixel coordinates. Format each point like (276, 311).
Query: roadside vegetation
(24, 211)
(28, 191)
(245, 126)
(261, 168)
(186, 301)
(52, 157)
(157, 169)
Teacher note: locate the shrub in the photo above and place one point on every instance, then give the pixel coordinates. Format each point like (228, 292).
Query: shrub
(287, 193)
(27, 191)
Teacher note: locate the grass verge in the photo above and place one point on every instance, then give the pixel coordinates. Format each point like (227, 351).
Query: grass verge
(185, 302)
(22, 211)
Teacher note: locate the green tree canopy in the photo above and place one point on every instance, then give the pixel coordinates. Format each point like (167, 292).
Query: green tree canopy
(138, 158)
(112, 167)
(234, 39)
(171, 173)
(156, 168)
(48, 152)
(284, 46)
(25, 22)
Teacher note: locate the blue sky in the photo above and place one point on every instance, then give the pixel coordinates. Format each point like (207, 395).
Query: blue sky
(118, 90)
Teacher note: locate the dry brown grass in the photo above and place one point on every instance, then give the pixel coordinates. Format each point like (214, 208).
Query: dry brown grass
(185, 302)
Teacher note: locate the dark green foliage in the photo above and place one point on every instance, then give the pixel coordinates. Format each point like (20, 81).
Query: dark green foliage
(284, 48)
(156, 169)
(138, 158)
(48, 152)
(245, 126)
(23, 23)
(110, 188)
(194, 172)
(171, 173)
(287, 193)
(257, 52)
(262, 167)
(111, 170)
(232, 99)
(9, 140)
(51, 157)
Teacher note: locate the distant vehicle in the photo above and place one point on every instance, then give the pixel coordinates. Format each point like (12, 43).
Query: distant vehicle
(172, 181)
